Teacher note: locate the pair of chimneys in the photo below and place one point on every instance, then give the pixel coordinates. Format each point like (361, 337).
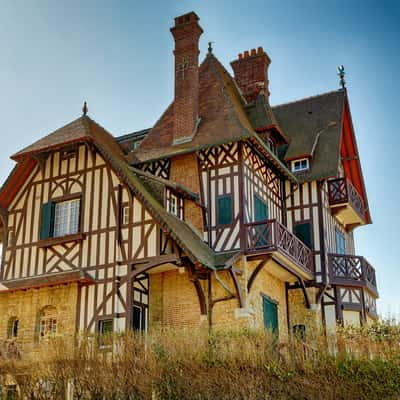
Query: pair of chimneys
(250, 71)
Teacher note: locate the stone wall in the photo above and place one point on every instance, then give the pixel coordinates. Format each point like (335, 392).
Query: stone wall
(301, 315)
(26, 305)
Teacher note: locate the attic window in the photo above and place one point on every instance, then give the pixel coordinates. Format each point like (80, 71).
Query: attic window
(135, 144)
(300, 165)
(271, 144)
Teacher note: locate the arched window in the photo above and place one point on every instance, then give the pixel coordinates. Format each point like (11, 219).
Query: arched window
(47, 322)
(12, 328)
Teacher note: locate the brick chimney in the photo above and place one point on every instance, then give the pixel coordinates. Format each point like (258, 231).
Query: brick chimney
(186, 33)
(251, 72)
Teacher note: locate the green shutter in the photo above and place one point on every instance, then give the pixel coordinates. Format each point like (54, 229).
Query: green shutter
(225, 210)
(260, 209)
(270, 314)
(47, 224)
(303, 232)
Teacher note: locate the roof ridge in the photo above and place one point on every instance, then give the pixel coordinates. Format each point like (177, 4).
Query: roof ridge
(306, 98)
(132, 134)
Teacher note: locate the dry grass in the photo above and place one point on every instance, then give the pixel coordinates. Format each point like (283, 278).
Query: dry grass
(226, 365)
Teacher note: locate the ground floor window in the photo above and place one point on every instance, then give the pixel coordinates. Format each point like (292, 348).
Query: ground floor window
(140, 304)
(12, 328)
(105, 329)
(47, 322)
(11, 392)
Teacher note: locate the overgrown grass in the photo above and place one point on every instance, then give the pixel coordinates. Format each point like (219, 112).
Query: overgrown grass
(363, 363)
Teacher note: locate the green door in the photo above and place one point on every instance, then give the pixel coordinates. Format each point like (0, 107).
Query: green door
(270, 311)
(260, 209)
(261, 214)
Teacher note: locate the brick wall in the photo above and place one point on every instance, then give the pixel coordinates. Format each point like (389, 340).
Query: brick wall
(185, 170)
(173, 301)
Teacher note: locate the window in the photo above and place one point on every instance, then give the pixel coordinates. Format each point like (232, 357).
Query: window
(300, 165)
(11, 391)
(125, 215)
(47, 322)
(105, 329)
(224, 211)
(10, 238)
(340, 242)
(60, 219)
(271, 144)
(12, 328)
(172, 206)
(140, 302)
(303, 232)
(135, 144)
(105, 326)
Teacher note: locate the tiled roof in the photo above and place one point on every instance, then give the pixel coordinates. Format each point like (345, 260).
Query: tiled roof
(223, 118)
(85, 129)
(314, 126)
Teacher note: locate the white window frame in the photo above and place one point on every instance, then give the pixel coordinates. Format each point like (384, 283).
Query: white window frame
(66, 217)
(302, 164)
(10, 238)
(125, 215)
(173, 204)
(47, 327)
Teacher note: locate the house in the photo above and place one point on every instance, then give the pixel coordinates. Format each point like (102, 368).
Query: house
(229, 212)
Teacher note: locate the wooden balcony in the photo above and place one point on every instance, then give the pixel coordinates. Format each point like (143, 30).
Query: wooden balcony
(346, 203)
(271, 237)
(346, 270)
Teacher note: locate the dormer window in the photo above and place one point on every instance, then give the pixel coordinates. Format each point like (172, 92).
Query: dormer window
(271, 144)
(300, 165)
(135, 144)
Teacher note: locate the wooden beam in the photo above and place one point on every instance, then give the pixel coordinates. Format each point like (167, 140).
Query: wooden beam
(237, 287)
(254, 274)
(170, 258)
(306, 297)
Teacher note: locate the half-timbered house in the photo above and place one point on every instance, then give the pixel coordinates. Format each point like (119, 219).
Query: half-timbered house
(227, 212)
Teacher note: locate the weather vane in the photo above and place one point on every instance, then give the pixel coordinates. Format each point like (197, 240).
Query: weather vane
(210, 49)
(341, 75)
(84, 108)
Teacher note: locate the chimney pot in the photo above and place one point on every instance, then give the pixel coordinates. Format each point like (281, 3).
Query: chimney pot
(251, 73)
(240, 56)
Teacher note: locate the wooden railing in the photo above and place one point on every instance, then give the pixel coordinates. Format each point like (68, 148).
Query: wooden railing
(342, 191)
(352, 270)
(271, 235)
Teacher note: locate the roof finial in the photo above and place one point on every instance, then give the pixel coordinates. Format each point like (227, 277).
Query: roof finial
(84, 108)
(341, 75)
(210, 49)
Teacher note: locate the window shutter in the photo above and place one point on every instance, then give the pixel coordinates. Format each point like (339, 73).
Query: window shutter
(47, 224)
(225, 210)
(303, 232)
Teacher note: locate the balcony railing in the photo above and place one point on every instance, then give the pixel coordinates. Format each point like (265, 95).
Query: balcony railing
(270, 235)
(352, 271)
(341, 191)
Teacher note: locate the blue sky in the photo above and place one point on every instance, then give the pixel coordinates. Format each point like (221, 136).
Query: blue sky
(117, 55)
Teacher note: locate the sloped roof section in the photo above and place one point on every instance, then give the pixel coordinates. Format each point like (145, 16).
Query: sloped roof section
(86, 129)
(223, 118)
(314, 126)
(80, 130)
